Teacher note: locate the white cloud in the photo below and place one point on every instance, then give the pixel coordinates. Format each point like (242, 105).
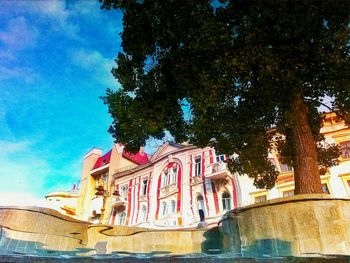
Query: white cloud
(22, 169)
(94, 62)
(18, 35)
(53, 11)
(24, 73)
(21, 199)
(60, 15)
(13, 147)
(25, 170)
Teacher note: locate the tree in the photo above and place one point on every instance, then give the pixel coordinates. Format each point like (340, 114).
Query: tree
(235, 75)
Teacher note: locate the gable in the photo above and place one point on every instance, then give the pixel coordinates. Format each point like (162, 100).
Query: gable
(165, 149)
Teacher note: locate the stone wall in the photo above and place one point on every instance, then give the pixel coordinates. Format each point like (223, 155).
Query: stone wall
(295, 226)
(38, 231)
(299, 226)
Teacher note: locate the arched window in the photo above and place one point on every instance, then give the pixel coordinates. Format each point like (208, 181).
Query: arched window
(121, 220)
(226, 201)
(143, 214)
(174, 175)
(164, 208)
(200, 203)
(165, 178)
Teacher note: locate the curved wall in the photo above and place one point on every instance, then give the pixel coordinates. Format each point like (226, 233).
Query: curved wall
(294, 226)
(42, 231)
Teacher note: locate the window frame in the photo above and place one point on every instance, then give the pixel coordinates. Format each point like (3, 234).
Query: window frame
(347, 149)
(144, 186)
(226, 201)
(220, 158)
(198, 165)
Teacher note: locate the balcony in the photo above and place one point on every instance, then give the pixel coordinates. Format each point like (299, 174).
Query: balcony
(118, 201)
(219, 171)
(196, 180)
(168, 190)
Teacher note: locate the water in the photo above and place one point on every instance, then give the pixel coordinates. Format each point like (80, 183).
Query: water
(29, 235)
(12, 250)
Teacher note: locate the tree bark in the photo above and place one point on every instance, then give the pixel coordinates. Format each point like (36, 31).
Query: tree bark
(306, 172)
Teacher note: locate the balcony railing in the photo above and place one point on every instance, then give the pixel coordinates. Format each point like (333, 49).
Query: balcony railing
(168, 190)
(219, 171)
(196, 180)
(118, 201)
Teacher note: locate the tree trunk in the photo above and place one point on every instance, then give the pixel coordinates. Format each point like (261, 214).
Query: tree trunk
(306, 173)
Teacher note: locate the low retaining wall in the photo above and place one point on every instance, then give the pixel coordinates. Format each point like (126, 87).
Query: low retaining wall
(293, 226)
(42, 231)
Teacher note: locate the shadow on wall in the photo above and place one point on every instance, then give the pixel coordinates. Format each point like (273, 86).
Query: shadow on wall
(213, 241)
(9, 246)
(231, 242)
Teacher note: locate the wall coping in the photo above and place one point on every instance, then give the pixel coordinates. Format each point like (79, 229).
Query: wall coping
(45, 211)
(283, 200)
(107, 230)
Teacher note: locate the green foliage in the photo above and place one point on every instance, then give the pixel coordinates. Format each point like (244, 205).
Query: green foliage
(238, 65)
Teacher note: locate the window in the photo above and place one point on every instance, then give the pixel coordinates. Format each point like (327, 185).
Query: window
(164, 208)
(226, 201)
(143, 214)
(144, 187)
(124, 191)
(165, 178)
(285, 168)
(288, 193)
(325, 189)
(198, 164)
(121, 220)
(173, 175)
(173, 207)
(345, 149)
(220, 157)
(260, 198)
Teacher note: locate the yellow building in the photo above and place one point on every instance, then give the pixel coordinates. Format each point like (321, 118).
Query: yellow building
(335, 182)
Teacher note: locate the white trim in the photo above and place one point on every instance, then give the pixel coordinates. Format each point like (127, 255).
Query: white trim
(99, 168)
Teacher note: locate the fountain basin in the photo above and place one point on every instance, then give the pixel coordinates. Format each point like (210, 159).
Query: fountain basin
(301, 225)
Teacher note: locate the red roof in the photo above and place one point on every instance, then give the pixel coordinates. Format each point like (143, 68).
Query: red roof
(103, 160)
(138, 158)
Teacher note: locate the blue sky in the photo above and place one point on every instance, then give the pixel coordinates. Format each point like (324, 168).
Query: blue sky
(55, 62)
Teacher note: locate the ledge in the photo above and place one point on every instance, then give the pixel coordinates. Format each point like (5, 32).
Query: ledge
(45, 211)
(284, 200)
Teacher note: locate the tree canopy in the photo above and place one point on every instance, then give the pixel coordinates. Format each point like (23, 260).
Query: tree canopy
(232, 74)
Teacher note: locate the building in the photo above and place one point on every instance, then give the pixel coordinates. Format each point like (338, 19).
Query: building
(180, 184)
(166, 189)
(64, 202)
(335, 182)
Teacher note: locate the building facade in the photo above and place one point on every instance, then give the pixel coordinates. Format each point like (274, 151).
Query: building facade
(167, 189)
(181, 184)
(335, 181)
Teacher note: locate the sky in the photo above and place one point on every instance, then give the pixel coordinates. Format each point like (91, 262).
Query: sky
(55, 63)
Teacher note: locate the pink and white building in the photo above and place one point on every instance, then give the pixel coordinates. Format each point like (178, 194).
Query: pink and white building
(166, 189)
